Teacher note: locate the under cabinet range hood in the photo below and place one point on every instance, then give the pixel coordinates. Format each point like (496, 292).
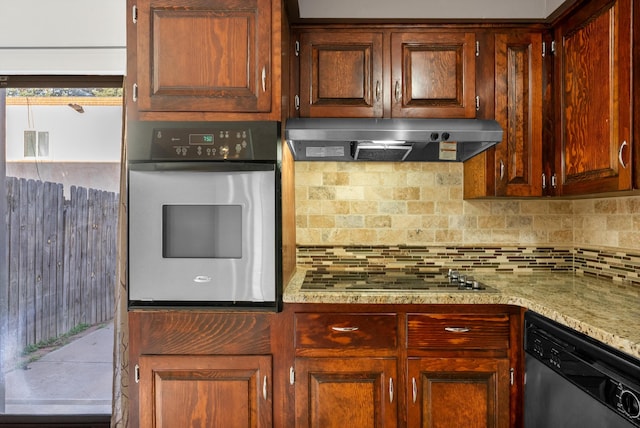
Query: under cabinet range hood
(392, 140)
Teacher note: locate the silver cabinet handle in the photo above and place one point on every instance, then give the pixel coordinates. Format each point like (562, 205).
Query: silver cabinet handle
(345, 329)
(457, 329)
(296, 102)
(544, 180)
(398, 91)
(554, 181)
(377, 90)
(264, 387)
(414, 387)
(390, 390)
(264, 79)
(622, 146)
(292, 376)
(501, 169)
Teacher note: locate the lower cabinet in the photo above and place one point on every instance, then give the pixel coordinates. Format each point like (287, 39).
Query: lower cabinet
(205, 391)
(458, 392)
(407, 365)
(328, 365)
(346, 392)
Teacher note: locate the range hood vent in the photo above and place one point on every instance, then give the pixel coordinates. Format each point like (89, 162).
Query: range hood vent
(390, 140)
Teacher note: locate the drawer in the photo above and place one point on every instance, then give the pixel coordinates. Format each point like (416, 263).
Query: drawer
(339, 330)
(458, 331)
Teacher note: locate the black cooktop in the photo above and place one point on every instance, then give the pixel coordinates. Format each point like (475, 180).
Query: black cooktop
(324, 280)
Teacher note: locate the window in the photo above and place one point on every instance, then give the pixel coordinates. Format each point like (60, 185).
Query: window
(61, 146)
(36, 144)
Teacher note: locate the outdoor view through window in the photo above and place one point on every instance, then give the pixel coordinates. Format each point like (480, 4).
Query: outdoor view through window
(62, 184)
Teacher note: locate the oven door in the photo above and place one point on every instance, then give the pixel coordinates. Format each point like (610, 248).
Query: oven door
(202, 233)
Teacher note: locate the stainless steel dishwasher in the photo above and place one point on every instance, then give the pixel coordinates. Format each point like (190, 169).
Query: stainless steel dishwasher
(574, 381)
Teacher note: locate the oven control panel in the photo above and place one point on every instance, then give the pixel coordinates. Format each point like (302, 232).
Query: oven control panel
(201, 144)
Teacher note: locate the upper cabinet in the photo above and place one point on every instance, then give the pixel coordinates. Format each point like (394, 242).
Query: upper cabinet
(386, 73)
(518, 109)
(204, 56)
(433, 75)
(340, 74)
(513, 62)
(593, 84)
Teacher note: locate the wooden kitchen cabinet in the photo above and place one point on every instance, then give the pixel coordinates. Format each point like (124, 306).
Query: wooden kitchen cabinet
(433, 74)
(346, 392)
(221, 391)
(466, 383)
(345, 369)
(341, 74)
(407, 365)
(458, 392)
(202, 56)
(514, 167)
(386, 73)
(593, 75)
(203, 368)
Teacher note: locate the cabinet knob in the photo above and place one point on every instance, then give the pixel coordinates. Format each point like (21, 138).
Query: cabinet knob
(622, 146)
(457, 329)
(414, 388)
(344, 329)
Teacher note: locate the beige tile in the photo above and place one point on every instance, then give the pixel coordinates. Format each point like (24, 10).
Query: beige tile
(349, 221)
(349, 193)
(364, 207)
(378, 193)
(519, 222)
(406, 193)
(335, 178)
(322, 193)
(492, 222)
(405, 221)
(321, 221)
(336, 207)
(420, 207)
(393, 207)
(377, 221)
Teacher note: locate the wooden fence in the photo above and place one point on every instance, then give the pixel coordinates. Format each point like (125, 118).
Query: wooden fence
(62, 259)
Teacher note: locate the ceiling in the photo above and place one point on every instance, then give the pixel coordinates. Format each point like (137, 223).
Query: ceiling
(425, 9)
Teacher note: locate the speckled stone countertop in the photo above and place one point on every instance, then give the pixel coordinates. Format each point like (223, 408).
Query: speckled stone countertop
(602, 309)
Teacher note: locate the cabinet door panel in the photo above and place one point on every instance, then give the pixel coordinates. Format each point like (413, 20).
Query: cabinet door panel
(470, 393)
(221, 391)
(337, 393)
(205, 56)
(341, 74)
(433, 74)
(518, 60)
(595, 97)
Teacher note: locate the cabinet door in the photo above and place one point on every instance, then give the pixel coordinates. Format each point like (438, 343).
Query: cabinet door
(433, 75)
(595, 104)
(346, 392)
(518, 109)
(341, 74)
(204, 55)
(458, 392)
(214, 391)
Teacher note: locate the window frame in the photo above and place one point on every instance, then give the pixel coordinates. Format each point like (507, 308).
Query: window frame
(42, 81)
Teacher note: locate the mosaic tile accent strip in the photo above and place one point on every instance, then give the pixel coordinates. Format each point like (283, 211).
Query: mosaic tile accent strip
(617, 266)
(417, 259)
(609, 264)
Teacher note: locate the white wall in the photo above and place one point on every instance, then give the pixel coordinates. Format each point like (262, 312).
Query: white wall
(92, 136)
(62, 37)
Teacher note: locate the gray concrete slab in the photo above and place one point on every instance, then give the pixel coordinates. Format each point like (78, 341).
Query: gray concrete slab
(74, 379)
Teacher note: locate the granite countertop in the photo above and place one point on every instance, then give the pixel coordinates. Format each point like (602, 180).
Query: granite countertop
(602, 309)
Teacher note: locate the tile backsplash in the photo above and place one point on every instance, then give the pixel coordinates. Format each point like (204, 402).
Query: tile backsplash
(421, 204)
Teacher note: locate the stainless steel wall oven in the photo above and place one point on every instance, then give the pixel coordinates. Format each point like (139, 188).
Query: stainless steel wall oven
(204, 210)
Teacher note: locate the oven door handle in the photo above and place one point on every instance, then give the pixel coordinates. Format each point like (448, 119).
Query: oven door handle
(202, 279)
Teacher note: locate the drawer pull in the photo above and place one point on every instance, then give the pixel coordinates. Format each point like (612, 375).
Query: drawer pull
(390, 390)
(457, 329)
(414, 387)
(344, 329)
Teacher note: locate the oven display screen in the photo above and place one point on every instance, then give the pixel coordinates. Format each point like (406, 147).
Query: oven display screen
(200, 138)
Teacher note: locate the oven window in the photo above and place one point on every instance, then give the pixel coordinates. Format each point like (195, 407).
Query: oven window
(202, 231)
